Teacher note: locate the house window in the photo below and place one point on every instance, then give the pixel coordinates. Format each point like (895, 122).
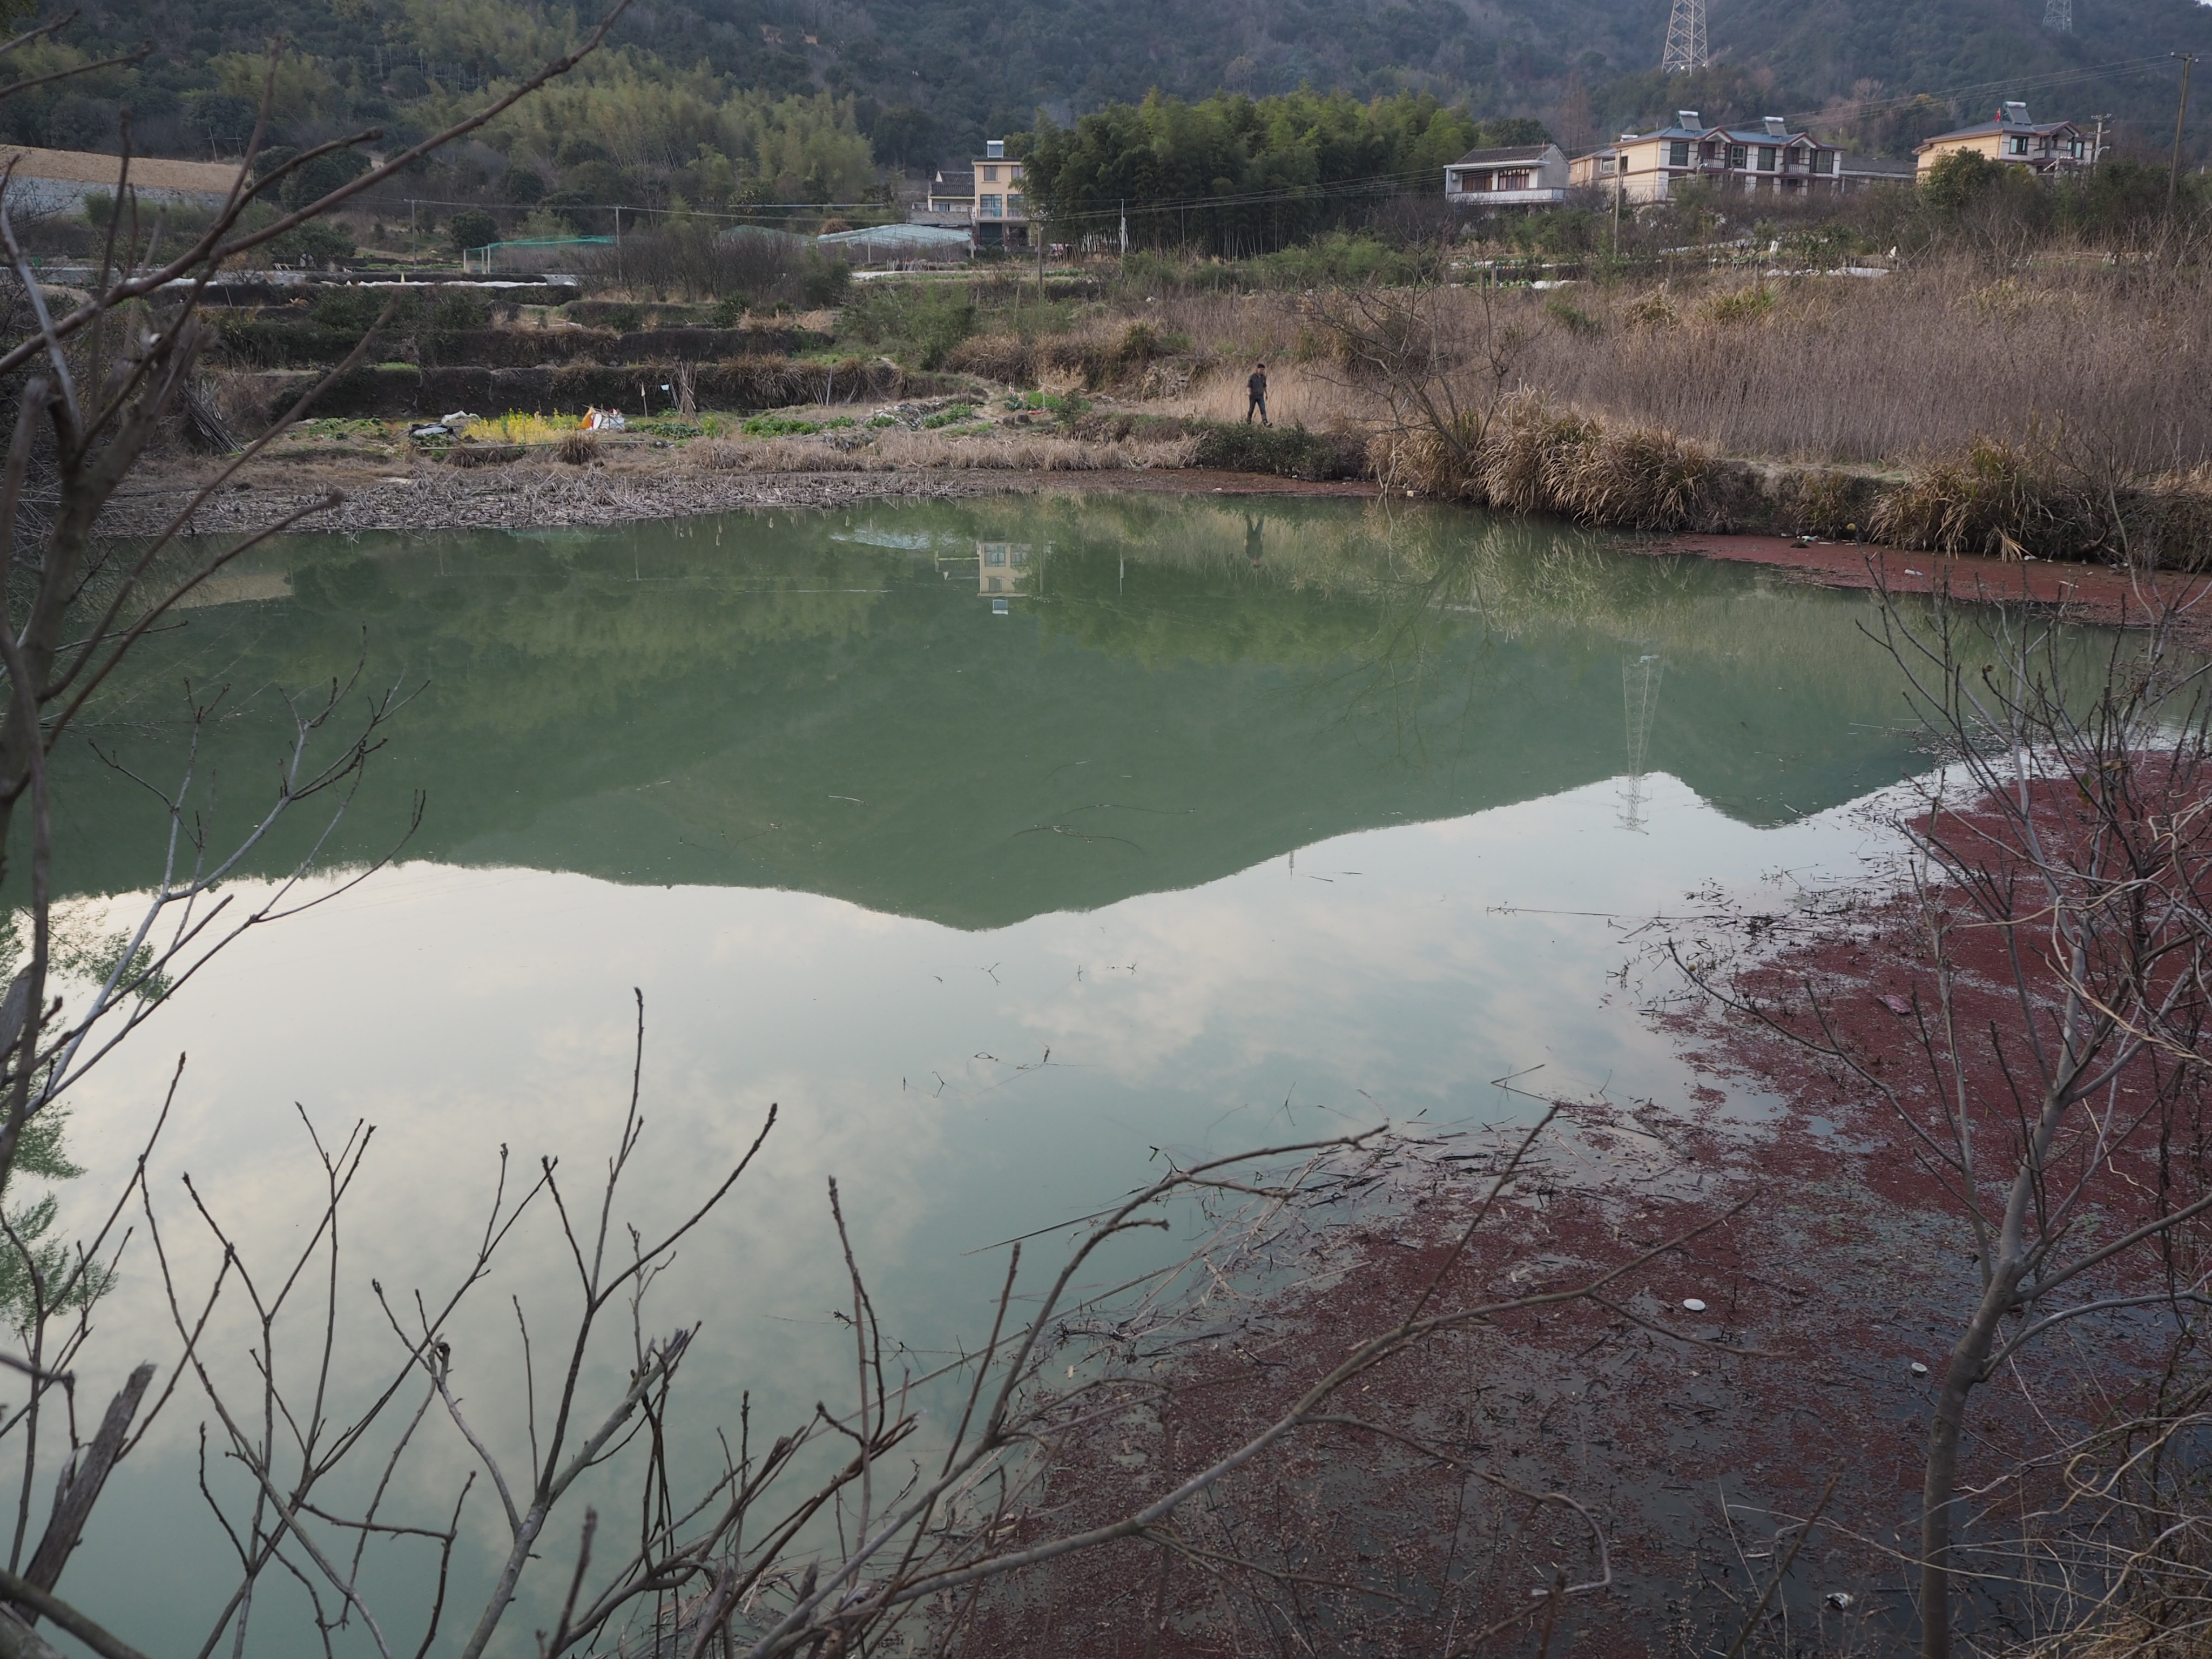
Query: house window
(1013, 207)
(1824, 160)
(2019, 146)
(994, 553)
(990, 175)
(1736, 152)
(1605, 164)
(1512, 181)
(2074, 149)
(1766, 154)
(993, 207)
(1678, 153)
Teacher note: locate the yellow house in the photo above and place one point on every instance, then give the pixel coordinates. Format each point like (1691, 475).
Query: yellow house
(2041, 147)
(1648, 167)
(1001, 566)
(1001, 216)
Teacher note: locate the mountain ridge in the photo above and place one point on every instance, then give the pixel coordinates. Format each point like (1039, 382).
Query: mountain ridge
(923, 81)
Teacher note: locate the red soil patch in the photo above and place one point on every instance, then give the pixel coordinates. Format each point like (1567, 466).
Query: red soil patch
(2088, 593)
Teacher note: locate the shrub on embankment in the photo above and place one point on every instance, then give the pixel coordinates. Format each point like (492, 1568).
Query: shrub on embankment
(1994, 498)
(1529, 455)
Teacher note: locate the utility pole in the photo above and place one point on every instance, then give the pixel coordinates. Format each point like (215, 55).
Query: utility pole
(2173, 172)
(1619, 189)
(2097, 148)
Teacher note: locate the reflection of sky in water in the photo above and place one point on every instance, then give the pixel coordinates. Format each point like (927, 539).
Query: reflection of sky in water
(996, 907)
(459, 1009)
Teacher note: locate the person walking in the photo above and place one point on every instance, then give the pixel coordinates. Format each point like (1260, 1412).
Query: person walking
(1257, 385)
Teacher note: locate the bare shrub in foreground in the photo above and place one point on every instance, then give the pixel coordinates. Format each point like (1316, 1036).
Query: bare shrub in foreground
(2062, 884)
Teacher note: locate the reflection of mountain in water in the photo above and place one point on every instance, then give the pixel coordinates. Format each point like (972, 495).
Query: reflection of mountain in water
(1174, 691)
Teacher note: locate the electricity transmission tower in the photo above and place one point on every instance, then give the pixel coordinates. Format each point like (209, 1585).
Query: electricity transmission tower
(2058, 17)
(1686, 36)
(1640, 697)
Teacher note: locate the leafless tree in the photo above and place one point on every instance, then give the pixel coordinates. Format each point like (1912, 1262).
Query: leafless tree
(1442, 364)
(94, 388)
(2059, 879)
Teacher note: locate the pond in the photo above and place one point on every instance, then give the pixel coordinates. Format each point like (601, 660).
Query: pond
(1008, 846)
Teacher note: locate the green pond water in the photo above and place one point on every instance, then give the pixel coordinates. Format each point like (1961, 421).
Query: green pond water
(1005, 846)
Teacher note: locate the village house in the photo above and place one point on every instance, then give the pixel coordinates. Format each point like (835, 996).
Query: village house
(1518, 176)
(1001, 566)
(950, 202)
(2041, 147)
(985, 200)
(1001, 217)
(1648, 167)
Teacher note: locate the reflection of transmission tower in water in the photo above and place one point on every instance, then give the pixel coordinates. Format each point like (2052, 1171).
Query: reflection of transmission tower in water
(1639, 698)
(1686, 38)
(2058, 17)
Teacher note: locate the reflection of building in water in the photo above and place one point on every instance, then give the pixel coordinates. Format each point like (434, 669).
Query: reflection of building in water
(1001, 566)
(1640, 697)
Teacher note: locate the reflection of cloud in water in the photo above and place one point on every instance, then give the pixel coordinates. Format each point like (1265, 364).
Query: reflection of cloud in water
(458, 1010)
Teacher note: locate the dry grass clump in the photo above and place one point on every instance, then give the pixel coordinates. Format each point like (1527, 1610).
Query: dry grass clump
(2168, 521)
(907, 452)
(466, 455)
(1735, 305)
(1640, 477)
(1534, 457)
(2004, 499)
(1997, 499)
(1110, 353)
(577, 448)
(1006, 358)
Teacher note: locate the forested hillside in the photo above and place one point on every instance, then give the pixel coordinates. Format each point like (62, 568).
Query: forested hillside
(721, 101)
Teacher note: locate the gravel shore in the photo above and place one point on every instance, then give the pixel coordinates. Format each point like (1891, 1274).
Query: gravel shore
(402, 491)
(515, 498)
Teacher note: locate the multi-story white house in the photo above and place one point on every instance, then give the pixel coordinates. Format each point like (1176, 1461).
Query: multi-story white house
(1648, 167)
